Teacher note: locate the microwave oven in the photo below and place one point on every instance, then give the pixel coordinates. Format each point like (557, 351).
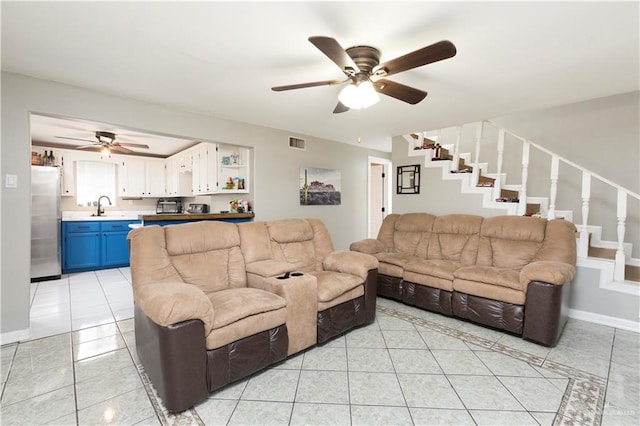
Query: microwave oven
(168, 206)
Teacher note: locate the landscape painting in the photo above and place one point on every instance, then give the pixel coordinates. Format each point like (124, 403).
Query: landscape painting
(319, 187)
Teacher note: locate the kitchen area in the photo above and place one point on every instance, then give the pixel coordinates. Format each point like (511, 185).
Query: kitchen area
(87, 197)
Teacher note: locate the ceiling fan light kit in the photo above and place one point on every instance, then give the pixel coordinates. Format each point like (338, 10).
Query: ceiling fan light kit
(361, 65)
(359, 96)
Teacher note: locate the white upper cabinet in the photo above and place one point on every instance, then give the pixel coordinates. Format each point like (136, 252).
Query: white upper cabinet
(204, 171)
(142, 178)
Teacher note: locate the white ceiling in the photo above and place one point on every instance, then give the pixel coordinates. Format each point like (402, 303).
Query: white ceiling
(222, 58)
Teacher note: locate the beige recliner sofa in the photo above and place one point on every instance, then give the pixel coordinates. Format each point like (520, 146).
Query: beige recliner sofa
(216, 301)
(506, 272)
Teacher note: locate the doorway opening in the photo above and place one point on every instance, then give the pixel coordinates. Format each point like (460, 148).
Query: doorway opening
(379, 193)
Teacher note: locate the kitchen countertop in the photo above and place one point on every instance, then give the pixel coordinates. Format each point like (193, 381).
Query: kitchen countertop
(96, 218)
(194, 216)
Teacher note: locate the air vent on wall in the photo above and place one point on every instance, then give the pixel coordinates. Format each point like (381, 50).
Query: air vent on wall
(297, 143)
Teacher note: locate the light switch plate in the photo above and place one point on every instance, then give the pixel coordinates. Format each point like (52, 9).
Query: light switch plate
(11, 181)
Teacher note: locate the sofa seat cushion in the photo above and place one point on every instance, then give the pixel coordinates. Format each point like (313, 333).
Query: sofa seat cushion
(431, 273)
(437, 268)
(398, 259)
(489, 291)
(490, 275)
(232, 305)
(334, 284)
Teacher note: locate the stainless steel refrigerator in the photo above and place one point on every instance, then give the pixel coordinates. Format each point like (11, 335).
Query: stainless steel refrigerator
(45, 223)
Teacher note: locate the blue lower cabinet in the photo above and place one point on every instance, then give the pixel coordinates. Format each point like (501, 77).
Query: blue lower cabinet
(95, 245)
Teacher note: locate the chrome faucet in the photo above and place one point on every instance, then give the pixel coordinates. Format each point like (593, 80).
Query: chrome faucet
(100, 211)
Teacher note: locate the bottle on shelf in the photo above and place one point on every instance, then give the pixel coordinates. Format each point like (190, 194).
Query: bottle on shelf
(52, 159)
(45, 158)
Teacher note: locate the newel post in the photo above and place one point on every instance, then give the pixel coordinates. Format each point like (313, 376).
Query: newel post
(622, 216)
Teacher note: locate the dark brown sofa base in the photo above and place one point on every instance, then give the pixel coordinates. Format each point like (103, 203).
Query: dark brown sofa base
(540, 320)
(175, 359)
(350, 314)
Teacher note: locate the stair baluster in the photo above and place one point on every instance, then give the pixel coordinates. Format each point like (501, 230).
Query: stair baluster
(622, 216)
(522, 205)
(475, 172)
(583, 244)
(456, 154)
(497, 185)
(553, 191)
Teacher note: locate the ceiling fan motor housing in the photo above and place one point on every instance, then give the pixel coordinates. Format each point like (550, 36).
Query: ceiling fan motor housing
(365, 57)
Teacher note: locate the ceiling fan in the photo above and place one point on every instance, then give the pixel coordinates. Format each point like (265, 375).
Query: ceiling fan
(366, 75)
(106, 141)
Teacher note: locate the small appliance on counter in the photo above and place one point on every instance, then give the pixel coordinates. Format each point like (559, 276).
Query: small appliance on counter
(169, 206)
(198, 208)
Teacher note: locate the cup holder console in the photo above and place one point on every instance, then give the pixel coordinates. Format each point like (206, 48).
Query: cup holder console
(290, 274)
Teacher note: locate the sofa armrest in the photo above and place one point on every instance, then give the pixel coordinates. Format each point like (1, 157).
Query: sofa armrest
(350, 262)
(547, 271)
(269, 268)
(368, 246)
(167, 303)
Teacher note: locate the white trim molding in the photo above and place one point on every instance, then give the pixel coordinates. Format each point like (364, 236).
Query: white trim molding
(605, 320)
(15, 336)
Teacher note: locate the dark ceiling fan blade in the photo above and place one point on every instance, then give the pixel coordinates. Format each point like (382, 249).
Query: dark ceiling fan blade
(433, 53)
(133, 145)
(335, 52)
(399, 91)
(119, 148)
(340, 107)
(304, 85)
(76, 139)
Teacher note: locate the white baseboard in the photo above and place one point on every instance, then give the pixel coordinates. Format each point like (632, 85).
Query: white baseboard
(605, 320)
(15, 336)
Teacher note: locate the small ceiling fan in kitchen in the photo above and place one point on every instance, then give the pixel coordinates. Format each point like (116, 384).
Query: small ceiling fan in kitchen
(367, 76)
(106, 142)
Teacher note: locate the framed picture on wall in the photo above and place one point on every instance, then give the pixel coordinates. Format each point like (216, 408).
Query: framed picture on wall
(319, 187)
(408, 179)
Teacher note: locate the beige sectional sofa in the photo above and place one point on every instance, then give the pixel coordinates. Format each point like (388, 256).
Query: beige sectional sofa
(216, 301)
(507, 272)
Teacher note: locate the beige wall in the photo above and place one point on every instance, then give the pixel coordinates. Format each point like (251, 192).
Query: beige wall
(276, 169)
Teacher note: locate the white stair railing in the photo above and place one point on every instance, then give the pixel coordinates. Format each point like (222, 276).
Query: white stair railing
(587, 177)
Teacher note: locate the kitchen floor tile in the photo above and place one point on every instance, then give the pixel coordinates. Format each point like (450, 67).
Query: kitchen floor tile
(41, 409)
(99, 346)
(261, 413)
(403, 339)
(429, 391)
(367, 359)
(535, 394)
(460, 362)
(484, 393)
(44, 381)
(506, 418)
(325, 359)
(431, 416)
(106, 386)
(127, 409)
(329, 387)
(380, 415)
(272, 385)
(419, 361)
(375, 389)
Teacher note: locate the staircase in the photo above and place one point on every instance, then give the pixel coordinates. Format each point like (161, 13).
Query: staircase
(613, 258)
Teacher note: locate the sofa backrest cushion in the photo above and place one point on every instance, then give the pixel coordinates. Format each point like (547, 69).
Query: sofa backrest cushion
(207, 254)
(292, 241)
(455, 237)
(412, 233)
(510, 241)
(387, 230)
(255, 241)
(150, 262)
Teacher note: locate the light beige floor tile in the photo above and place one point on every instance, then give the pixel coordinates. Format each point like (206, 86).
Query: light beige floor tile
(320, 414)
(330, 387)
(99, 364)
(429, 391)
(107, 386)
(45, 381)
(484, 393)
(324, 358)
(460, 362)
(431, 416)
(419, 361)
(392, 323)
(504, 365)
(41, 409)
(272, 385)
(366, 337)
(535, 394)
(380, 415)
(365, 359)
(506, 418)
(261, 413)
(40, 361)
(436, 340)
(216, 411)
(375, 389)
(127, 408)
(94, 333)
(97, 347)
(403, 339)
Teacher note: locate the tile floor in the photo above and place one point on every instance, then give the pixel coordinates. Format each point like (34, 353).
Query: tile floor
(409, 367)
